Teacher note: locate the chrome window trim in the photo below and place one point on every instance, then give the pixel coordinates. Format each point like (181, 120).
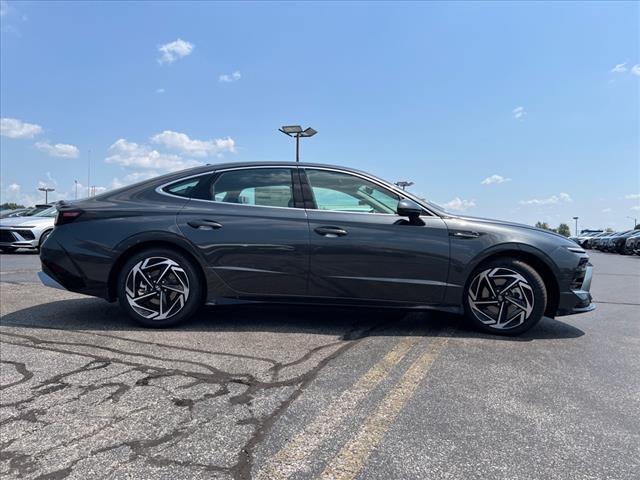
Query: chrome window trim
(162, 192)
(401, 193)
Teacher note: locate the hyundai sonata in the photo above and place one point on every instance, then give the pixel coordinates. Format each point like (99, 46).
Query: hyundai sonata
(306, 233)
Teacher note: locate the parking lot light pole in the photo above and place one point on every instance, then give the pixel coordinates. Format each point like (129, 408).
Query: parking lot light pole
(635, 221)
(296, 132)
(46, 191)
(576, 219)
(403, 184)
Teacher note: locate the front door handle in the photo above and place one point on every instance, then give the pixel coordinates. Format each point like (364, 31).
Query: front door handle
(330, 232)
(204, 224)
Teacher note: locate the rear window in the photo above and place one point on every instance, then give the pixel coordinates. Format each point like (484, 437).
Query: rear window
(183, 188)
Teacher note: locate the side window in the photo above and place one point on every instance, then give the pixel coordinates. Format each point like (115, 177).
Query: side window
(183, 188)
(268, 187)
(342, 192)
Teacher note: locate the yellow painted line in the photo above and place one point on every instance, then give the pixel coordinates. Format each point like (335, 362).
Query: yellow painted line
(349, 461)
(293, 457)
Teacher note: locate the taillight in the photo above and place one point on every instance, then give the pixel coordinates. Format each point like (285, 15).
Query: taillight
(67, 216)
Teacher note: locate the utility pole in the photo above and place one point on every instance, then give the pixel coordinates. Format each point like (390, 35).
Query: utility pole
(635, 221)
(576, 219)
(89, 174)
(76, 182)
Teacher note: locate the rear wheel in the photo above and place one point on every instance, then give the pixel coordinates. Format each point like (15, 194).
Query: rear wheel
(159, 287)
(505, 297)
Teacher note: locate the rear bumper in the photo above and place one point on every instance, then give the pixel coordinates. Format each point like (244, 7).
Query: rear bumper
(577, 301)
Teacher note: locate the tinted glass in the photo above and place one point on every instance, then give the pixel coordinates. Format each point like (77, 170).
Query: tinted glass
(183, 188)
(341, 192)
(268, 187)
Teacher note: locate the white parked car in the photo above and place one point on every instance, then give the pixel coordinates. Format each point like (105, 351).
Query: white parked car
(26, 232)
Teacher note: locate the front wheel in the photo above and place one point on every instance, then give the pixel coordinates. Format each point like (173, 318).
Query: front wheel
(159, 287)
(505, 297)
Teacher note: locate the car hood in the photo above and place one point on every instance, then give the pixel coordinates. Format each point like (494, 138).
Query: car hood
(26, 221)
(505, 223)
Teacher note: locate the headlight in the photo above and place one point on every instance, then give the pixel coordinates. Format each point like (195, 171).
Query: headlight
(576, 250)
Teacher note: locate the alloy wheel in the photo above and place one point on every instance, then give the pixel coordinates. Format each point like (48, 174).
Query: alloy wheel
(157, 288)
(501, 298)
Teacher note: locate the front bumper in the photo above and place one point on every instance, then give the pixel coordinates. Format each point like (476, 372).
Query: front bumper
(579, 300)
(17, 238)
(48, 281)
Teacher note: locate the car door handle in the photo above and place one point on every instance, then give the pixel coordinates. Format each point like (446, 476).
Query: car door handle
(330, 232)
(204, 224)
(465, 234)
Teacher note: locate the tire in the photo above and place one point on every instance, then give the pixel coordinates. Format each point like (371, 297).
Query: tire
(43, 238)
(8, 249)
(162, 304)
(492, 310)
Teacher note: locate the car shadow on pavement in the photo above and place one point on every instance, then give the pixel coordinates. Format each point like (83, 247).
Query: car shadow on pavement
(347, 323)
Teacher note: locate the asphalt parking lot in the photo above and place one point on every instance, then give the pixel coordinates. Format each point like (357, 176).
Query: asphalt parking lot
(275, 392)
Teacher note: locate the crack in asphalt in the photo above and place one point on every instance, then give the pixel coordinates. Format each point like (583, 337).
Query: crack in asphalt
(101, 357)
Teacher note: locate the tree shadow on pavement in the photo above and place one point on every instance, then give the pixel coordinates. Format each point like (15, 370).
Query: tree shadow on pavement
(348, 323)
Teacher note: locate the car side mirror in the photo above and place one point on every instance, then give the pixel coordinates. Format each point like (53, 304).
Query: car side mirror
(409, 208)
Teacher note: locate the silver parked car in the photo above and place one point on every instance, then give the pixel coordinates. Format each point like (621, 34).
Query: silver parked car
(26, 232)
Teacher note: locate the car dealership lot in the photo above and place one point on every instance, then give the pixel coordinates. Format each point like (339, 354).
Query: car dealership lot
(293, 392)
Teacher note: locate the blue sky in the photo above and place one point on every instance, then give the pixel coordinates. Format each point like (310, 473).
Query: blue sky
(520, 111)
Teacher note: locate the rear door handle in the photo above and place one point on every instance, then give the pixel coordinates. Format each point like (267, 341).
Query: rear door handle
(465, 234)
(330, 232)
(204, 224)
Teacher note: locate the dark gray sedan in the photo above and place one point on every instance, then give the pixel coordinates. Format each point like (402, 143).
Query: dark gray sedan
(306, 233)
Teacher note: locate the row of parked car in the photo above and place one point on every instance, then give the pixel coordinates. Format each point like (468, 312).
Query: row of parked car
(625, 243)
(26, 227)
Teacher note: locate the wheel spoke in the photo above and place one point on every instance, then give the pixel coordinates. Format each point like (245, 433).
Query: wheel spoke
(152, 299)
(492, 293)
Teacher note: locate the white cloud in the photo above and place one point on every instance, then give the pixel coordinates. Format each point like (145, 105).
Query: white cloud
(4, 8)
(459, 205)
(552, 200)
(230, 77)
(14, 128)
(635, 70)
(14, 188)
(606, 210)
(172, 51)
(495, 179)
(632, 196)
(637, 207)
(59, 149)
(133, 178)
(619, 68)
(159, 90)
(130, 154)
(519, 113)
(196, 148)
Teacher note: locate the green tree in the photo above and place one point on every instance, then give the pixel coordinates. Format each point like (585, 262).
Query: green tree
(542, 225)
(563, 229)
(545, 226)
(10, 206)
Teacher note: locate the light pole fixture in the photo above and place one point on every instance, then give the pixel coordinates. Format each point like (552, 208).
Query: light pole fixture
(296, 132)
(46, 191)
(635, 221)
(576, 219)
(403, 184)
(76, 182)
